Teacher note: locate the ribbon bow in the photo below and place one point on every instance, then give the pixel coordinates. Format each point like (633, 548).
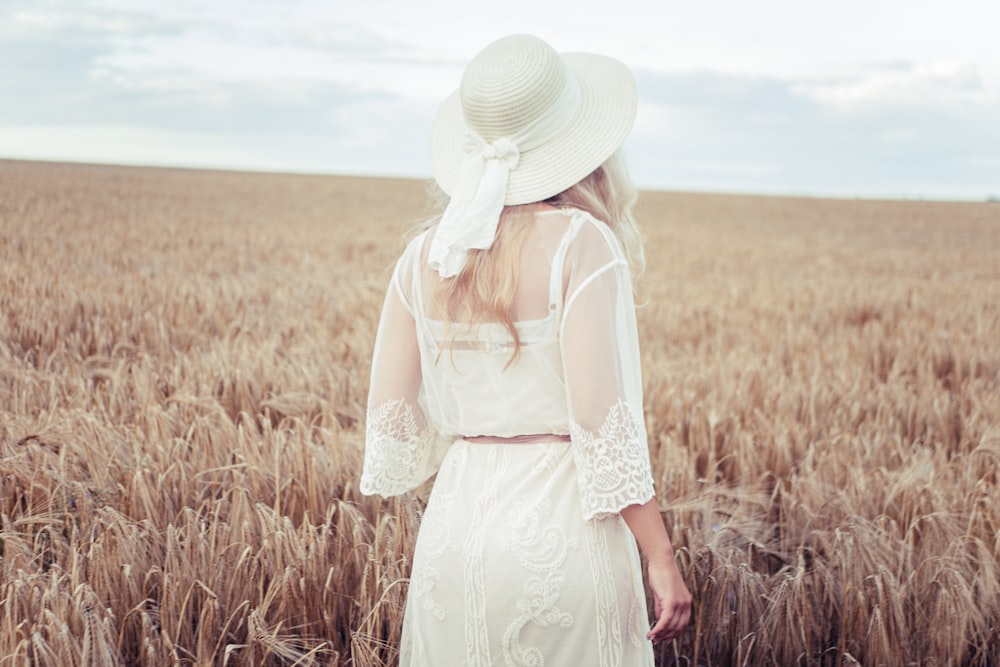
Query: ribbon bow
(471, 218)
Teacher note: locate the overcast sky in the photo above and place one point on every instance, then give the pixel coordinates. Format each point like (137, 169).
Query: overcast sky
(854, 98)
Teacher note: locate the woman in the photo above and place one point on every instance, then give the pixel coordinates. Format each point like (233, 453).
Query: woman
(507, 361)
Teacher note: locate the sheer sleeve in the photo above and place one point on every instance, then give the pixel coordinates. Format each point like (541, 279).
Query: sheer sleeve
(402, 450)
(603, 377)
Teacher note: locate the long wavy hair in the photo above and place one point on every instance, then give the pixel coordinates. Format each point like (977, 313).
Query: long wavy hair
(484, 290)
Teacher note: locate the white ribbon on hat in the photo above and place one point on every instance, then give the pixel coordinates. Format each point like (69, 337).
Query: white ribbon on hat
(473, 214)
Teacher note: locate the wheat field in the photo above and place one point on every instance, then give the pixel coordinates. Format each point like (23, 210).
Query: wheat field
(184, 360)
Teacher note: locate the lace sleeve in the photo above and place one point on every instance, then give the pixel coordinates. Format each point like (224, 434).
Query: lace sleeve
(612, 464)
(400, 453)
(402, 450)
(603, 378)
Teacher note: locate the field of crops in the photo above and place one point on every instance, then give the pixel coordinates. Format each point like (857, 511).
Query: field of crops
(184, 360)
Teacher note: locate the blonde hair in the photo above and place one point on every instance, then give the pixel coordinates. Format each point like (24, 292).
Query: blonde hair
(484, 290)
(608, 194)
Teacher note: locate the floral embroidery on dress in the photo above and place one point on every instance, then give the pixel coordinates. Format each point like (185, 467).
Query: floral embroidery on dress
(436, 537)
(613, 464)
(542, 550)
(400, 454)
(436, 543)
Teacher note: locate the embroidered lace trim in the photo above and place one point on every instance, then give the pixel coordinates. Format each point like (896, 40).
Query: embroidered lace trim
(612, 464)
(542, 547)
(602, 566)
(400, 454)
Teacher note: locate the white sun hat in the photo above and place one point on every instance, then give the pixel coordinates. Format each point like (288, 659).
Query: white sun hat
(526, 124)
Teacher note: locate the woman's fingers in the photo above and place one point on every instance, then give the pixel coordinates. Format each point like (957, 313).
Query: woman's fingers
(672, 602)
(672, 621)
(659, 631)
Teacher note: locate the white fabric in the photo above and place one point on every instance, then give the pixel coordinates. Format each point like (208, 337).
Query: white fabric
(470, 221)
(506, 572)
(577, 375)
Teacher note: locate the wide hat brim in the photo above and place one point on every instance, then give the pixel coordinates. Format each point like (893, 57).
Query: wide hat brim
(605, 118)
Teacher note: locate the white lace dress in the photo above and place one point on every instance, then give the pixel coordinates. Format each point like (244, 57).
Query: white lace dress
(522, 557)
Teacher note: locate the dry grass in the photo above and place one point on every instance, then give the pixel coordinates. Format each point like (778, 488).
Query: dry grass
(183, 369)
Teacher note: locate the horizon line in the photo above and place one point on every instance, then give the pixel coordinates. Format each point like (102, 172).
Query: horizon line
(224, 168)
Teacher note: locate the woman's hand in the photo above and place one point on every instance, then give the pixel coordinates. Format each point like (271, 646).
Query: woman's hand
(670, 594)
(672, 600)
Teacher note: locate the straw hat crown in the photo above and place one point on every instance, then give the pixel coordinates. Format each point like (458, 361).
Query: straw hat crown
(510, 85)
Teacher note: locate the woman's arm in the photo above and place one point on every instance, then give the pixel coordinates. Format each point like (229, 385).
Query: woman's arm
(402, 449)
(602, 368)
(670, 593)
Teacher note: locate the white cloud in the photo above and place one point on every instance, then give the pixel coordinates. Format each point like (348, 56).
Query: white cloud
(889, 97)
(708, 130)
(947, 83)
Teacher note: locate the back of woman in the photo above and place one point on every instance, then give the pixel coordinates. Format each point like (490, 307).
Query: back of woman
(507, 362)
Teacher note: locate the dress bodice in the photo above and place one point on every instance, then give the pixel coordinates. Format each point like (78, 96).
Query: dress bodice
(576, 372)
